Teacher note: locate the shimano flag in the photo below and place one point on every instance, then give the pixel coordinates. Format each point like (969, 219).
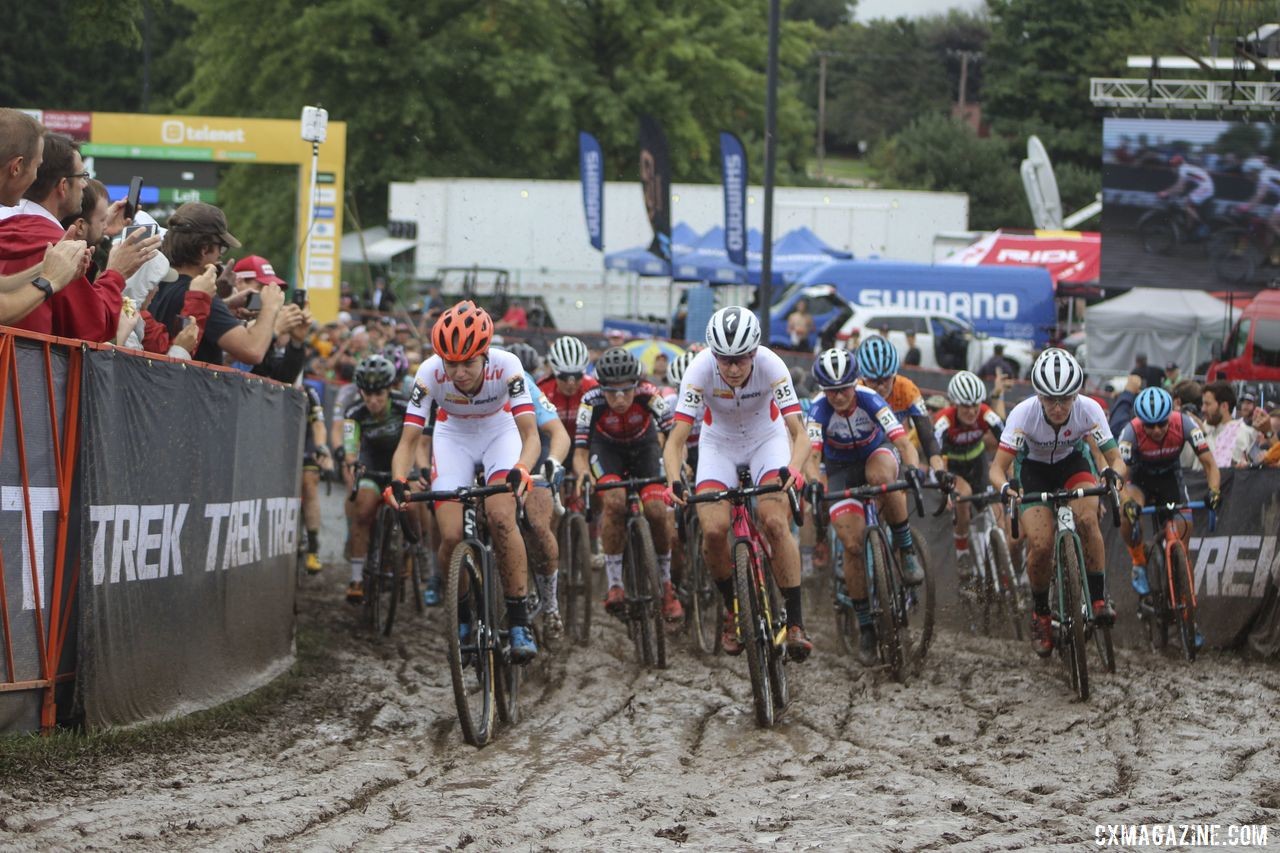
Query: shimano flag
(733, 168)
(655, 180)
(591, 167)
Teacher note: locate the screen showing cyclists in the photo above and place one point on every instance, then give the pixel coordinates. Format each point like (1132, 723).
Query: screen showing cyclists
(743, 395)
(1048, 444)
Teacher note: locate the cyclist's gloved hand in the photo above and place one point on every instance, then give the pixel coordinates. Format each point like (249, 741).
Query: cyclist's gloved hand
(1112, 476)
(520, 479)
(797, 478)
(1011, 487)
(674, 493)
(1214, 500)
(396, 492)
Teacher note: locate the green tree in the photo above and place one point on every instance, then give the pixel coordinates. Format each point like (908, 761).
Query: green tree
(826, 14)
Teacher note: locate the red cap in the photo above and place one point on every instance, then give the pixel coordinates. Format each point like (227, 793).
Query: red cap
(256, 266)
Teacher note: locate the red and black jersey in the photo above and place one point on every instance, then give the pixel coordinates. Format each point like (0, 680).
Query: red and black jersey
(961, 442)
(1140, 450)
(647, 412)
(567, 407)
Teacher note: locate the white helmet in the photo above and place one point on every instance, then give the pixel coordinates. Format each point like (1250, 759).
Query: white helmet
(733, 331)
(568, 355)
(675, 372)
(965, 389)
(1056, 373)
(1253, 165)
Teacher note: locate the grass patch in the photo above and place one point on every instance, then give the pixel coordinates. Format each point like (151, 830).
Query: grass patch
(843, 168)
(25, 757)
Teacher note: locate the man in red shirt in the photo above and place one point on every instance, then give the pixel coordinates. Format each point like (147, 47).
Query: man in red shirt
(84, 309)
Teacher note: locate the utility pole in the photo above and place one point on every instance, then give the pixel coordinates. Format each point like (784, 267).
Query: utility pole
(822, 110)
(765, 292)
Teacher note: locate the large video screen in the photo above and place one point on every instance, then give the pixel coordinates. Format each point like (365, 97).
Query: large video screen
(1190, 203)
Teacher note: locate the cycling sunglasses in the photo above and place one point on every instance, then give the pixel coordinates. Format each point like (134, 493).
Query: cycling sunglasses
(1058, 401)
(570, 377)
(735, 360)
(618, 389)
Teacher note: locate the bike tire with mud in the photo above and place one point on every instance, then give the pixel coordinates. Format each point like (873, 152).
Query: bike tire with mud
(881, 597)
(1071, 619)
(1186, 612)
(920, 616)
(750, 629)
(574, 589)
(473, 680)
(1010, 608)
(390, 561)
(1157, 233)
(651, 593)
(706, 604)
(777, 651)
(1234, 255)
(1158, 624)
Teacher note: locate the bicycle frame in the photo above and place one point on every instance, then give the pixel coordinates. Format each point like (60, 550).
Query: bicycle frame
(1166, 533)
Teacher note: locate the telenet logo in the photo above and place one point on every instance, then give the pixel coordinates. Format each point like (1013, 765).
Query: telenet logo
(174, 132)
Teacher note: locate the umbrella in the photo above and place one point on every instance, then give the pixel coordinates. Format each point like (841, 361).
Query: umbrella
(647, 349)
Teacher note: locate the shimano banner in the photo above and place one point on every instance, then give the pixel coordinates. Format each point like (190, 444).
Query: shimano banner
(733, 170)
(591, 169)
(655, 180)
(190, 517)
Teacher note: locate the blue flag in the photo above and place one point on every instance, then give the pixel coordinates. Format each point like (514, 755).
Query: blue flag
(733, 168)
(591, 167)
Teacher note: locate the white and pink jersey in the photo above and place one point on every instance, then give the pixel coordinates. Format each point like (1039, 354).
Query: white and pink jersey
(502, 391)
(737, 414)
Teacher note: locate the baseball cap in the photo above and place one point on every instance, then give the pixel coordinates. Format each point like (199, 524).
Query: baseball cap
(1173, 365)
(256, 266)
(197, 217)
(1249, 394)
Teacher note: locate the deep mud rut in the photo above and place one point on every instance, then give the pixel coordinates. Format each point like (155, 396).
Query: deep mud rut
(986, 750)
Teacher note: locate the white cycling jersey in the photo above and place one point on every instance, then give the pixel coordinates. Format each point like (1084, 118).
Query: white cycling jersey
(737, 414)
(504, 389)
(1029, 435)
(1269, 182)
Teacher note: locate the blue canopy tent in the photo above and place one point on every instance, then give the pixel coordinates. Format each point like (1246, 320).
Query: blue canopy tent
(641, 261)
(793, 253)
(708, 261)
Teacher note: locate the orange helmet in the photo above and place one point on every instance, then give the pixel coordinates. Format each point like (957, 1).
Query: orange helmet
(462, 332)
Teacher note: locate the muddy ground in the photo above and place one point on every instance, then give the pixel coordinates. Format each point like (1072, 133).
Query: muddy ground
(986, 750)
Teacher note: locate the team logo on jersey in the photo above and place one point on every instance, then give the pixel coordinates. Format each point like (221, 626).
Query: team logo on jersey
(419, 392)
(457, 398)
(725, 394)
(516, 386)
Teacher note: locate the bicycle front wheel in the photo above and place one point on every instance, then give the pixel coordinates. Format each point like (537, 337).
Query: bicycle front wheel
(471, 658)
(919, 605)
(388, 571)
(706, 604)
(773, 617)
(1157, 624)
(1234, 255)
(1010, 608)
(754, 632)
(883, 602)
(1183, 593)
(575, 578)
(1158, 233)
(1071, 619)
(649, 591)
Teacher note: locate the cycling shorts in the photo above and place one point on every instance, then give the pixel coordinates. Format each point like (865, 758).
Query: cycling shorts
(1074, 471)
(1161, 488)
(851, 475)
(718, 459)
(974, 471)
(461, 445)
(632, 461)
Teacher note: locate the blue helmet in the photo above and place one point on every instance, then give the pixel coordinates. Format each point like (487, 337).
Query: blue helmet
(835, 368)
(1153, 406)
(877, 358)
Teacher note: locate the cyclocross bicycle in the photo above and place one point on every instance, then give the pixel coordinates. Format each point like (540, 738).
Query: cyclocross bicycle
(642, 612)
(993, 589)
(1171, 578)
(485, 679)
(391, 571)
(762, 621)
(903, 615)
(574, 590)
(703, 602)
(1070, 604)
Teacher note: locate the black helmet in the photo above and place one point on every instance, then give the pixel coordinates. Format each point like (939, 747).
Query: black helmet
(375, 373)
(617, 365)
(529, 358)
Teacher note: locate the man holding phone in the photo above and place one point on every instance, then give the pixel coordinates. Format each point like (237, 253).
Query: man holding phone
(286, 359)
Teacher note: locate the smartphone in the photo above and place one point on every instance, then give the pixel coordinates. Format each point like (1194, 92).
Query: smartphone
(148, 231)
(299, 297)
(131, 200)
(255, 303)
(177, 323)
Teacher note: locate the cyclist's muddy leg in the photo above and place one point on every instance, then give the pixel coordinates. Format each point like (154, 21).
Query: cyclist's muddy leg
(1095, 552)
(500, 512)
(962, 510)
(1036, 523)
(448, 533)
(851, 526)
(365, 507)
(714, 519)
(612, 527)
(656, 511)
(774, 516)
(544, 556)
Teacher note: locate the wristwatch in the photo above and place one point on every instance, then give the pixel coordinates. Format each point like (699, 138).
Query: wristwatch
(44, 285)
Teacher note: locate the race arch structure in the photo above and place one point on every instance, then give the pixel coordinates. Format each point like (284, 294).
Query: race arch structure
(182, 153)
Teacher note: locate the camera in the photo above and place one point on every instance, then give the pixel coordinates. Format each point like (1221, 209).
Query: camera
(315, 124)
(299, 297)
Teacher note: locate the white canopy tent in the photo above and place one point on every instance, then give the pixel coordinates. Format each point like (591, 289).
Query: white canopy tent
(1167, 325)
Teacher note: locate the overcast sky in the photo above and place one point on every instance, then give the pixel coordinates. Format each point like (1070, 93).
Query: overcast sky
(868, 9)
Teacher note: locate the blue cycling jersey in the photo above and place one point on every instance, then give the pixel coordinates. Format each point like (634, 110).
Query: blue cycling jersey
(852, 437)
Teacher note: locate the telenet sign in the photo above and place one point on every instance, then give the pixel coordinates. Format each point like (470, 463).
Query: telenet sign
(214, 138)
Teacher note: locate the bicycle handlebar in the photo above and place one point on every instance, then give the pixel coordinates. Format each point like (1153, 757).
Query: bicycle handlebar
(739, 493)
(1174, 507)
(1015, 499)
(636, 483)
